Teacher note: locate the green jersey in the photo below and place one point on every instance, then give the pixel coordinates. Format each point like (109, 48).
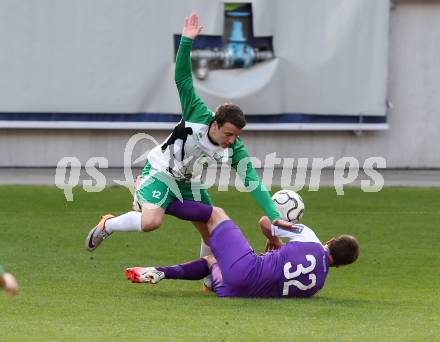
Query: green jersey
(189, 149)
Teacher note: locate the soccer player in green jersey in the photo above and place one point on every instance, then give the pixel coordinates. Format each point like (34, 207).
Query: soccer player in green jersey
(173, 169)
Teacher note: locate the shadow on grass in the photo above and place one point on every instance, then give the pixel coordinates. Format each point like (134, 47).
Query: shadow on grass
(170, 294)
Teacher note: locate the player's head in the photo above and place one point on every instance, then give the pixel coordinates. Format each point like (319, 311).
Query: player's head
(343, 250)
(228, 123)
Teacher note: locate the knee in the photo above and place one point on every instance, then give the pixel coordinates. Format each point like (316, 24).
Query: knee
(218, 215)
(217, 211)
(151, 223)
(152, 216)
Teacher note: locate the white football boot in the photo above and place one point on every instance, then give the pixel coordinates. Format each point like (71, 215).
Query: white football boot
(149, 275)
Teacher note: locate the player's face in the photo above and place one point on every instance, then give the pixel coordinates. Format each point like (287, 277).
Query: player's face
(225, 135)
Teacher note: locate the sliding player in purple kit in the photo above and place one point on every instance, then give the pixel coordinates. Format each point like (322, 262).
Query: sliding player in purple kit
(295, 269)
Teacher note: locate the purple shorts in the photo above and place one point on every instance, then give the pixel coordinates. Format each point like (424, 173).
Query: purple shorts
(234, 273)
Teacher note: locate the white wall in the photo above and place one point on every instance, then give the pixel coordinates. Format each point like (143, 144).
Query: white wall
(116, 56)
(412, 140)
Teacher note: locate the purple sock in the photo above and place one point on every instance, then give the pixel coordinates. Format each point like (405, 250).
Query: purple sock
(193, 270)
(190, 210)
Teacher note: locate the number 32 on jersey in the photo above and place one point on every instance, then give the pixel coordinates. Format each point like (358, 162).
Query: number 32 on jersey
(299, 270)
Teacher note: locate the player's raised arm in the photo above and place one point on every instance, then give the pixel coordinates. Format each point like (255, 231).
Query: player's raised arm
(193, 108)
(191, 27)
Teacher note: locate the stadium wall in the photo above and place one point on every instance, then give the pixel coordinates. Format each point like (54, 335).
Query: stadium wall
(410, 142)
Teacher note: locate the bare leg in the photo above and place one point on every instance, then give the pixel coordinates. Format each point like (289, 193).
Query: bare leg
(152, 216)
(218, 215)
(203, 230)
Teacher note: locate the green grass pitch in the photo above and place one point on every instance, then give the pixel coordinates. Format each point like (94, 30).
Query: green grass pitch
(391, 293)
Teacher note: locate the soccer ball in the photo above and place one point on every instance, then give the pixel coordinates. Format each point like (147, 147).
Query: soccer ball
(289, 204)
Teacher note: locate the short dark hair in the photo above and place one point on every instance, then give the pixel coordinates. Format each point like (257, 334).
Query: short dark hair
(229, 112)
(344, 250)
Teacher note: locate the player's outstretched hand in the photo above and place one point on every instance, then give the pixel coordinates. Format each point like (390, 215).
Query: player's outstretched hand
(191, 28)
(272, 242)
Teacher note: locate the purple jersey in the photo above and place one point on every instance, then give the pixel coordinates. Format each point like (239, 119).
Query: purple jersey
(298, 269)
(304, 268)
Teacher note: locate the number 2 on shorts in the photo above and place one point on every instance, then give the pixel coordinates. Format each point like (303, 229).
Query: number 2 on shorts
(156, 194)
